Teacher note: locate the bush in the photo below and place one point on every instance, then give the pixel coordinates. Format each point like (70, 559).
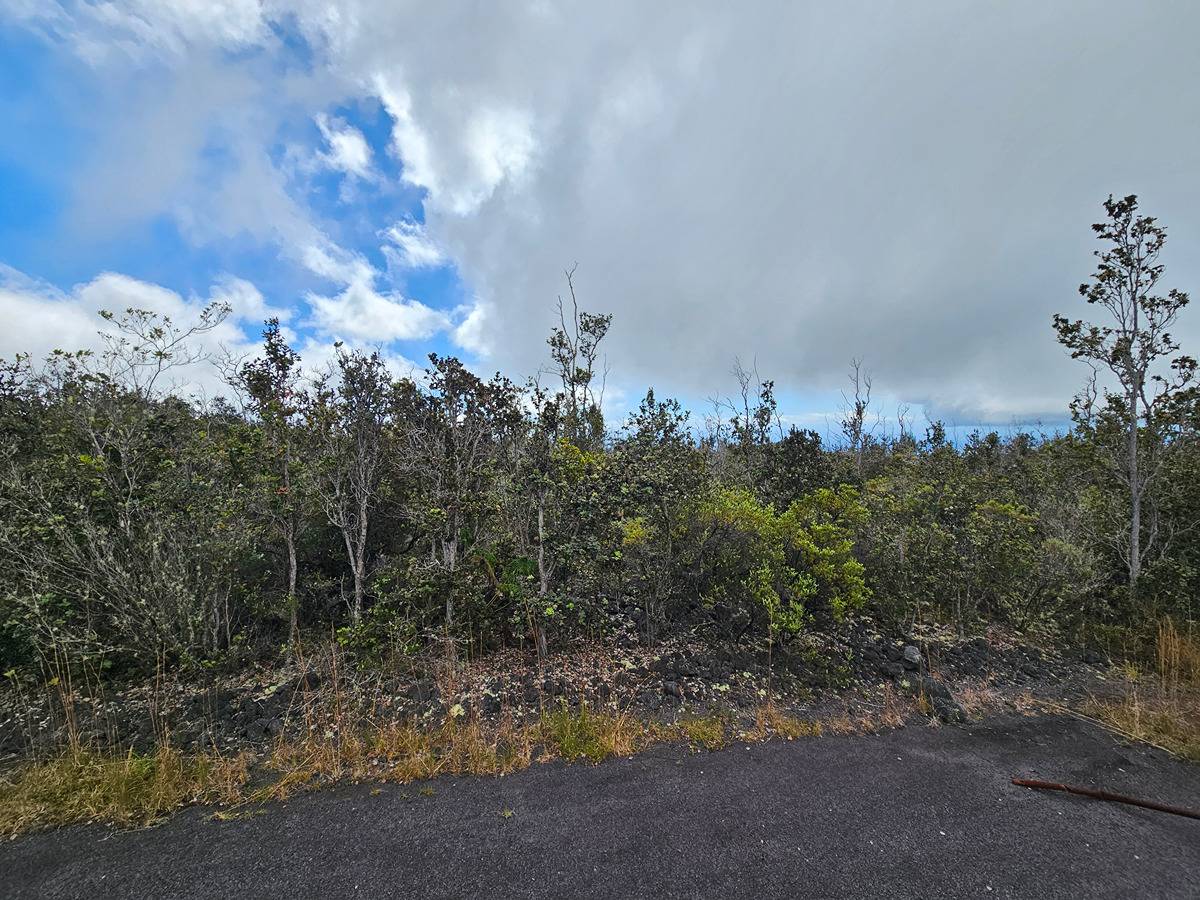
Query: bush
(784, 565)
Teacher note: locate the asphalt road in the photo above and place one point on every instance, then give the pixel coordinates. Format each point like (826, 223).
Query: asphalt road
(921, 812)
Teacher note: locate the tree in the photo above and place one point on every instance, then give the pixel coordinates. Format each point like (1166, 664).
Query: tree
(116, 506)
(854, 414)
(658, 470)
(272, 385)
(349, 420)
(575, 348)
(741, 448)
(458, 440)
(1138, 351)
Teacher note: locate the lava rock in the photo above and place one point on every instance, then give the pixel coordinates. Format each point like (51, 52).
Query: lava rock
(672, 689)
(892, 670)
(423, 690)
(911, 657)
(307, 681)
(1094, 658)
(942, 701)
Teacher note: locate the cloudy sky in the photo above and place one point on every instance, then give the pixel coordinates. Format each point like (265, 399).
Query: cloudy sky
(791, 183)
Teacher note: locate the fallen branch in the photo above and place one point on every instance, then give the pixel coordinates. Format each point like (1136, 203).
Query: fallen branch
(1105, 795)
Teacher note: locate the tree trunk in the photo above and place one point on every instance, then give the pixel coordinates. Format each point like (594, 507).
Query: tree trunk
(293, 606)
(1135, 496)
(539, 632)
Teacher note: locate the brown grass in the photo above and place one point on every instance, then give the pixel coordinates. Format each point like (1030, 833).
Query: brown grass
(1171, 723)
(84, 786)
(1163, 711)
(769, 721)
(130, 789)
(1177, 658)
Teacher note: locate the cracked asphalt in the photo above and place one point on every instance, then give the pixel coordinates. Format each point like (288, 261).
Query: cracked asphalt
(918, 812)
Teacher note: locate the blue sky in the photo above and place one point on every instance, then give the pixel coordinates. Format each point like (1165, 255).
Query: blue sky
(794, 185)
(55, 111)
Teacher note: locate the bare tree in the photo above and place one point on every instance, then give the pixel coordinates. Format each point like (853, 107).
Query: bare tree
(854, 413)
(575, 349)
(1138, 351)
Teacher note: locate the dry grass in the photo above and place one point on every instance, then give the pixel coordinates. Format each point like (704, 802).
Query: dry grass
(83, 786)
(595, 736)
(131, 789)
(1177, 658)
(403, 751)
(979, 698)
(1164, 711)
(769, 721)
(1171, 723)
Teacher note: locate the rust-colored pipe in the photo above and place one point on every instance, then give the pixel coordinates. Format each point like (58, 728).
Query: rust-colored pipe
(1105, 795)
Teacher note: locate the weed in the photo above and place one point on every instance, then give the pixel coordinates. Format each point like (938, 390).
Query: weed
(593, 736)
(1177, 658)
(707, 732)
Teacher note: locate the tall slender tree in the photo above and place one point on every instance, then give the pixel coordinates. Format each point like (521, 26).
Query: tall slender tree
(1137, 351)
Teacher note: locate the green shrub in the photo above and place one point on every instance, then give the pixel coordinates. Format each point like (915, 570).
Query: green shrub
(784, 564)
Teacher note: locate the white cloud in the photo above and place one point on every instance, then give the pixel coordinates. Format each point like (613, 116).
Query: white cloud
(349, 151)
(41, 319)
(800, 183)
(246, 300)
(362, 313)
(499, 145)
(145, 30)
(409, 141)
(472, 332)
(413, 247)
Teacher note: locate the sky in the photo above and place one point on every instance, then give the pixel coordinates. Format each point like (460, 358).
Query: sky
(791, 184)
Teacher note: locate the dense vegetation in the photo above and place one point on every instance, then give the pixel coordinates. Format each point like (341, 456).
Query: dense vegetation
(454, 512)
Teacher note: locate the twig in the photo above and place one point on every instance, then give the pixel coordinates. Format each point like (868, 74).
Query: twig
(1106, 795)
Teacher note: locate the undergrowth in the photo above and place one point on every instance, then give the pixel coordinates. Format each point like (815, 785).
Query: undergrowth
(81, 786)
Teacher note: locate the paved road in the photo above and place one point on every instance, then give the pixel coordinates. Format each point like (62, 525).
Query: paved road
(922, 812)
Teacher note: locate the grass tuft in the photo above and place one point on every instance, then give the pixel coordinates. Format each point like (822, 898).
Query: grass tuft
(593, 736)
(128, 790)
(769, 722)
(706, 732)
